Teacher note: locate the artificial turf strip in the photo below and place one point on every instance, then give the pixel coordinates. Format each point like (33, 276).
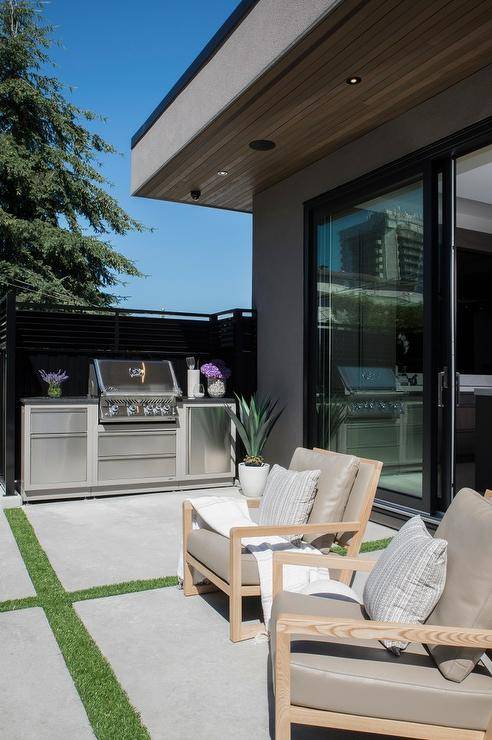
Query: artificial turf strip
(370, 546)
(107, 705)
(13, 605)
(117, 589)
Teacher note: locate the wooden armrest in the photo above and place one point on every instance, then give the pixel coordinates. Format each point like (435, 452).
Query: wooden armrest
(362, 629)
(253, 503)
(314, 561)
(285, 529)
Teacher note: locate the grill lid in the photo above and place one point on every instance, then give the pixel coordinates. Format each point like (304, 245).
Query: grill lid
(136, 378)
(368, 378)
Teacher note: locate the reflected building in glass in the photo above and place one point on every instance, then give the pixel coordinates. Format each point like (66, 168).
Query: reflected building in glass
(370, 334)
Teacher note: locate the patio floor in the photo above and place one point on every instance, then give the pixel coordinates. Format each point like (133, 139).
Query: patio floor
(172, 655)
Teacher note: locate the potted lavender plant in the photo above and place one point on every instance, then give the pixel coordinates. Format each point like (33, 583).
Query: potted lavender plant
(54, 381)
(216, 372)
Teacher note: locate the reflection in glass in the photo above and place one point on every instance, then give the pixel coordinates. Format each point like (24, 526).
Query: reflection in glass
(473, 240)
(370, 334)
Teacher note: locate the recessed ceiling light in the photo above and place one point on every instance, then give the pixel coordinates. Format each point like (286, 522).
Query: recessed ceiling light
(222, 173)
(262, 145)
(354, 80)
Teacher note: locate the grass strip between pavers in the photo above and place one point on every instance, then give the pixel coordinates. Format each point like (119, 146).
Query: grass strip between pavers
(117, 589)
(370, 546)
(13, 605)
(107, 705)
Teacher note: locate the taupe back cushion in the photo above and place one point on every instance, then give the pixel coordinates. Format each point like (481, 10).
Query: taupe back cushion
(357, 499)
(335, 483)
(467, 597)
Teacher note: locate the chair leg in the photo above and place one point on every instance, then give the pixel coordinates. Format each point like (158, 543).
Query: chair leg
(282, 687)
(189, 589)
(282, 727)
(235, 615)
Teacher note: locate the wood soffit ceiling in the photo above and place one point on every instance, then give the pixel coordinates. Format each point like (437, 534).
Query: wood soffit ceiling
(405, 51)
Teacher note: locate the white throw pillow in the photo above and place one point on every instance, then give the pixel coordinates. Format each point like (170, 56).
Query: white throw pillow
(288, 497)
(408, 579)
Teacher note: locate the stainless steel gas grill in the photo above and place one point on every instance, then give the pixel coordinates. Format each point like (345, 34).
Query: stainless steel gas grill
(134, 390)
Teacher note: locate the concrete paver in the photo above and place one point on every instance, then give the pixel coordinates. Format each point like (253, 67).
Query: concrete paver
(173, 656)
(38, 699)
(111, 540)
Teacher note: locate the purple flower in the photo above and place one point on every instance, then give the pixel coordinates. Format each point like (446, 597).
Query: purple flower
(54, 378)
(216, 369)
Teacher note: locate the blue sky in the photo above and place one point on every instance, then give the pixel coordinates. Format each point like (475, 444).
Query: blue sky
(122, 57)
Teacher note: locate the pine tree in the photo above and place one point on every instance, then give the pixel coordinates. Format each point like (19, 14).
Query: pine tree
(55, 213)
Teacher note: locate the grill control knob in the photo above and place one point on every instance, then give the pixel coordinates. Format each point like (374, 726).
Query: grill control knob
(148, 410)
(131, 409)
(113, 409)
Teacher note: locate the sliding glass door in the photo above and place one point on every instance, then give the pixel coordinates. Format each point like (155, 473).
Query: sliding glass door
(367, 300)
(398, 322)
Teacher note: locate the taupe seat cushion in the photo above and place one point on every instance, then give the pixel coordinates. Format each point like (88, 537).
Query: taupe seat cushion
(467, 597)
(212, 550)
(363, 678)
(337, 477)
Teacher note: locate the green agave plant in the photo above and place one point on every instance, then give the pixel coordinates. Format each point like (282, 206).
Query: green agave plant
(254, 424)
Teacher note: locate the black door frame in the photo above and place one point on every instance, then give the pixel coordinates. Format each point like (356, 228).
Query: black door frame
(426, 162)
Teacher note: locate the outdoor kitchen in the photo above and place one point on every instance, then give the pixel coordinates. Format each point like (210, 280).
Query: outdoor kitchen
(132, 411)
(133, 433)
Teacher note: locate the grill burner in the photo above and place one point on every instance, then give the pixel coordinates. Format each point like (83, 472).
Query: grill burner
(134, 390)
(373, 392)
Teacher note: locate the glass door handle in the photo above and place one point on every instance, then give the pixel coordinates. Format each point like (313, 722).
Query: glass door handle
(442, 384)
(457, 387)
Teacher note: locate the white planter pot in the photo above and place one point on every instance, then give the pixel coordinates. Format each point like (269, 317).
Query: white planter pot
(252, 479)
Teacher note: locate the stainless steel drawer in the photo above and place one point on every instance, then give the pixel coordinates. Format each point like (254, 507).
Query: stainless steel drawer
(58, 421)
(144, 443)
(58, 459)
(135, 468)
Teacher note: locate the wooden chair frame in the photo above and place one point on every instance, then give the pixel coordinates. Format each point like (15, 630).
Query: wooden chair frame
(306, 626)
(234, 588)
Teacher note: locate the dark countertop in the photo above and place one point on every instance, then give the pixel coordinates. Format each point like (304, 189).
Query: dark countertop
(74, 400)
(63, 401)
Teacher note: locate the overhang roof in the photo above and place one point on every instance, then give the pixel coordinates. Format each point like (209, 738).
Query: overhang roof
(277, 70)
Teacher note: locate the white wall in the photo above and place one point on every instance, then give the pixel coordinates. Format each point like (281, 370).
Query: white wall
(278, 238)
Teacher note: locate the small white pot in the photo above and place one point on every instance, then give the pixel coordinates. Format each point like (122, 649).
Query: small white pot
(253, 478)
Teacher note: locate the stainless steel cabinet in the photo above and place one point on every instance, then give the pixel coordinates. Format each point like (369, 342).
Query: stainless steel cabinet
(210, 440)
(58, 459)
(132, 453)
(66, 452)
(58, 448)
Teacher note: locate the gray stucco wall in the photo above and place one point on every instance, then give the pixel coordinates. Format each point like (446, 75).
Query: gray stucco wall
(278, 238)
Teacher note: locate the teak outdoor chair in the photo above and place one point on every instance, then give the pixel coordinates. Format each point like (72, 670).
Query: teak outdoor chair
(332, 671)
(234, 571)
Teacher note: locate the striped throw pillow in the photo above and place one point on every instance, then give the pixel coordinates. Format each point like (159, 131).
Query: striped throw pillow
(408, 579)
(288, 497)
